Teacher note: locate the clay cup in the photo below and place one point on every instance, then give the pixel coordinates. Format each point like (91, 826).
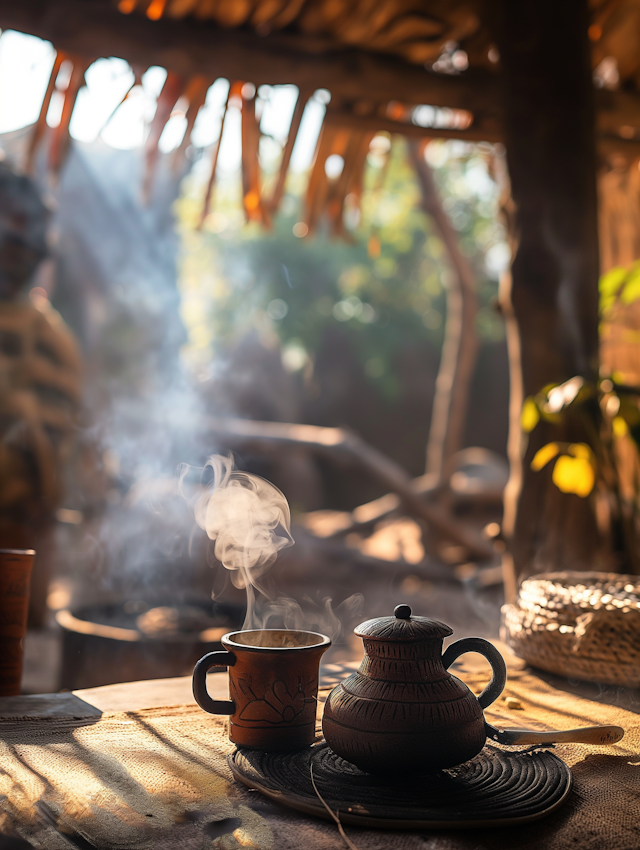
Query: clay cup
(15, 578)
(273, 685)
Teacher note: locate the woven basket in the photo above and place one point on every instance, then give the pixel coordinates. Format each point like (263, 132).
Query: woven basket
(579, 625)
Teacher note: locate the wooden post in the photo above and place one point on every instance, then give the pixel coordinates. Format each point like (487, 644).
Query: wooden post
(460, 347)
(551, 302)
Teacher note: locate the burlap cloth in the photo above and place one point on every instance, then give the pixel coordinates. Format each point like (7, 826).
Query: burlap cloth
(158, 778)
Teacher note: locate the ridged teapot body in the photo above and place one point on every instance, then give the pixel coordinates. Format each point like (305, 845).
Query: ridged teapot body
(402, 711)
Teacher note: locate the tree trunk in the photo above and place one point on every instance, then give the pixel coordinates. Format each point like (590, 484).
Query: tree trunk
(551, 301)
(460, 347)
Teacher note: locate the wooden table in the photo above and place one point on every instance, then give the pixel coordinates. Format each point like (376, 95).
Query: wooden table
(588, 820)
(133, 696)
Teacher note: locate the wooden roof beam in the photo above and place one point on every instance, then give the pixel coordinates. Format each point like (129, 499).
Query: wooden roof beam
(189, 47)
(477, 132)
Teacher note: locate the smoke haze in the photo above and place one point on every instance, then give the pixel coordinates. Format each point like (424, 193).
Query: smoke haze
(249, 521)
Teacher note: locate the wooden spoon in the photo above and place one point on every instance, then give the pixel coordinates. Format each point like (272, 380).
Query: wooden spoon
(599, 735)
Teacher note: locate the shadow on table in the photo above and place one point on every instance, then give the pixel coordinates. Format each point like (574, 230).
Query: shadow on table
(48, 705)
(625, 698)
(10, 842)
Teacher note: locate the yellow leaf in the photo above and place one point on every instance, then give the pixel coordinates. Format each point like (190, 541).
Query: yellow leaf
(574, 475)
(618, 377)
(620, 427)
(580, 450)
(611, 282)
(530, 415)
(631, 289)
(610, 285)
(544, 455)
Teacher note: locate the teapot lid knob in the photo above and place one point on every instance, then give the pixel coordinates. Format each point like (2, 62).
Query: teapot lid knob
(402, 612)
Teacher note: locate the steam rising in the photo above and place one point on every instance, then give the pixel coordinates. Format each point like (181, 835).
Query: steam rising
(317, 617)
(248, 519)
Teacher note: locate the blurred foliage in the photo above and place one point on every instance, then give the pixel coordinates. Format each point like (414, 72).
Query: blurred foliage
(608, 414)
(386, 289)
(574, 470)
(619, 285)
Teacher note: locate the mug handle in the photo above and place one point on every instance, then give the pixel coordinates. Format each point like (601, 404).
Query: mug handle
(206, 663)
(488, 650)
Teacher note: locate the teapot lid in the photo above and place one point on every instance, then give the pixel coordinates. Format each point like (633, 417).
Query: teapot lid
(402, 626)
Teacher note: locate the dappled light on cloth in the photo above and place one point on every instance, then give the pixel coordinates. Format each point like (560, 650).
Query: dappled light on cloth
(158, 778)
(150, 779)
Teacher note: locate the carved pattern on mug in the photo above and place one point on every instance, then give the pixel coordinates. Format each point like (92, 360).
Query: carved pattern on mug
(277, 705)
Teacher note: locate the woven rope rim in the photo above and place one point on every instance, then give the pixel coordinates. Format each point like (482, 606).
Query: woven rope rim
(580, 625)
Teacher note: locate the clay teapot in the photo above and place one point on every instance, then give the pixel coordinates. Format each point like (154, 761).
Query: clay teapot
(402, 711)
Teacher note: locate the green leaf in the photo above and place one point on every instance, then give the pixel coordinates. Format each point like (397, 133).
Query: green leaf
(553, 418)
(631, 290)
(629, 411)
(612, 283)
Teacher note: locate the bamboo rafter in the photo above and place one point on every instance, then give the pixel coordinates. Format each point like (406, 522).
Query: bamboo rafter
(343, 133)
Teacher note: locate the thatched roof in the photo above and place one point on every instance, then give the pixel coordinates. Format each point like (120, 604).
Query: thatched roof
(366, 52)
(417, 31)
(380, 59)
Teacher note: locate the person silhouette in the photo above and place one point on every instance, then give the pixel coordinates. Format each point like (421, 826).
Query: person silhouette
(40, 385)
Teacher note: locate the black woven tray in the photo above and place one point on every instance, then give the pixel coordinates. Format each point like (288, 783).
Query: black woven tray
(497, 787)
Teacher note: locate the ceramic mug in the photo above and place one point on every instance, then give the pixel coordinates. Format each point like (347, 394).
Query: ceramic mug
(15, 578)
(273, 684)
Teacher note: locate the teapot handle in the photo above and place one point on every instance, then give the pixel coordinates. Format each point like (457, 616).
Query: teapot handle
(488, 650)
